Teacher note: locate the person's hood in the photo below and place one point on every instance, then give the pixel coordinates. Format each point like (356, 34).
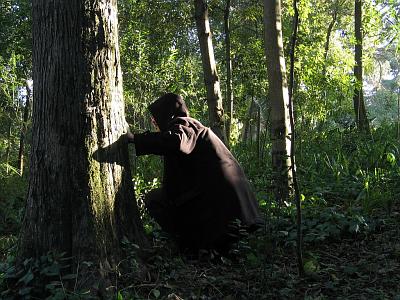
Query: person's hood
(167, 108)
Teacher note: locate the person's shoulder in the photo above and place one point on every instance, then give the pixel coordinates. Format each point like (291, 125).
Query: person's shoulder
(187, 121)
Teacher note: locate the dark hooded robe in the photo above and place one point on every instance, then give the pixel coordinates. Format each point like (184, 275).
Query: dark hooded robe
(204, 188)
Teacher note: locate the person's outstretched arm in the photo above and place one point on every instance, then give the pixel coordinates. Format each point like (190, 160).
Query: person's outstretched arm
(180, 138)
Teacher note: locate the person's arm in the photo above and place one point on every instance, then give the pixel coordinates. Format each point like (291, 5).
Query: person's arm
(179, 138)
(130, 137)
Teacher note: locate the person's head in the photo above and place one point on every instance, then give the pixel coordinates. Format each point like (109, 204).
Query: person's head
(167, 108)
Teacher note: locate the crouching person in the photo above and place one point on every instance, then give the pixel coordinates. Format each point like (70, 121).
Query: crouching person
(204, 189)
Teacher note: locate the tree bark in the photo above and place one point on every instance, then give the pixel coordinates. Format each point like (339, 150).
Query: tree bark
(258, 131)
(214, 97)
(13, 112)
(247, 123)
(80, 198)
(296, 188)
(8, 149)
(229, 92)
(329, 33)
(358, 99)
(292, 50)
(24, 127)
(279, 100)
(398, 114)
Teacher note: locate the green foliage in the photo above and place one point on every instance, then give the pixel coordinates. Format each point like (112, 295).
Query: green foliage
(142, 187)
(15, 69)
(12, 193)
(349, 182)
(162, 57)
(46, 278)
(147, 176)
(15, 34)
(330, 224)
(339, 165)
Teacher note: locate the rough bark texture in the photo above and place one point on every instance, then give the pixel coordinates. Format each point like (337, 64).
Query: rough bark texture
(80, 197)
(279, 99)
(358, 99)
(229, 92)
(214, 98)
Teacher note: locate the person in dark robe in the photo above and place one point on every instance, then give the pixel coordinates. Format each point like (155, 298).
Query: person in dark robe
(204, 189)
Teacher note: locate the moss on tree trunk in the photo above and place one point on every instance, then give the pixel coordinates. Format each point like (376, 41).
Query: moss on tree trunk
(81, 199)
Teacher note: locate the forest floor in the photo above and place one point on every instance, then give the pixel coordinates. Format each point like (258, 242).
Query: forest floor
(359, 266)
(346, 256)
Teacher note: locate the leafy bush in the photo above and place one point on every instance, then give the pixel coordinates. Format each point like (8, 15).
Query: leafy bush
(45, 278)
(12, 198)
(344, 167)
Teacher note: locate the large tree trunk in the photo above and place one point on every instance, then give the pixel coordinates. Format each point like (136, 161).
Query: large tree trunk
(24, 127)
(214, 98)
(358, 99)
(80, 199)
(279, 100)
(229, 92)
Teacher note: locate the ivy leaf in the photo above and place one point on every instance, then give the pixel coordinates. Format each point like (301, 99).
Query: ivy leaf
(26, 278)
(156, 293)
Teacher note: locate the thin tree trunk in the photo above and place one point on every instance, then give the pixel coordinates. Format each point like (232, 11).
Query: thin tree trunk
(258, 131)
(266, 127)
(279, 99)
(329, 33)
(358, 99)
(8, 149)
(80, 198)
(229, 90)
(253, 110)
(398, 114)
(247, 123)
(214, 98)
(23, 130)
(327, 42)
(299, 240)
(292, 50)
(10, 126)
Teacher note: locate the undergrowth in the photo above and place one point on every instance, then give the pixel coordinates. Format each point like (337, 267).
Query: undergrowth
(350, 200)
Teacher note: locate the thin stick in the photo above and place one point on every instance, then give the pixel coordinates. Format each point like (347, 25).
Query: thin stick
(299, 240)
